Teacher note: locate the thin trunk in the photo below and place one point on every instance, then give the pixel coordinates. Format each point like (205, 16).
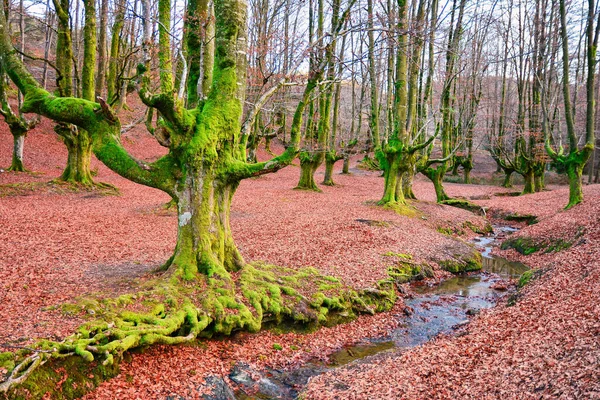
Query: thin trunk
(101, 73)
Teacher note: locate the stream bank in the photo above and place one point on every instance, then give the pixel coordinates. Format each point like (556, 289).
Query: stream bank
(431, 309)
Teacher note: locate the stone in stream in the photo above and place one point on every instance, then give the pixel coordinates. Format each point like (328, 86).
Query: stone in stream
(220, 389)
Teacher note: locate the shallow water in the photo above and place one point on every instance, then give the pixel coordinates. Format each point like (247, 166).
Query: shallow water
(434, 310)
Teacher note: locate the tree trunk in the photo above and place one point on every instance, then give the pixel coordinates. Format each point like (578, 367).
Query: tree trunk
(507, 178)
(17, 156)
(329, 163)
(455, 166)
(538, 180)
(79, 149)
(467, 175)
(575, 172)
(392, 193)
(407, 182)
(529, 183)
(440, 193)
(307, 175)
(204, 241)
(346, 166)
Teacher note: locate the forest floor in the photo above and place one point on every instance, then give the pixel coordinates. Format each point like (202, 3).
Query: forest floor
(57, 244)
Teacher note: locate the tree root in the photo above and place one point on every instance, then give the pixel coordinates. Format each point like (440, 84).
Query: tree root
(175, 312)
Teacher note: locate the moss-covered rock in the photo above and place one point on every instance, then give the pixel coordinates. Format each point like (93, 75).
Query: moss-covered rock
(530, 219)
(461, 263)
(527, 245)
(485, 230)
(465, 205)
(406, 270)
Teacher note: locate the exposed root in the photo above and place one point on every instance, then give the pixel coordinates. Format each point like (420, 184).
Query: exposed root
(177, 312)
(22, 371)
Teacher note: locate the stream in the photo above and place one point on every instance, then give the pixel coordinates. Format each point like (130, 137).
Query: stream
(433, 310)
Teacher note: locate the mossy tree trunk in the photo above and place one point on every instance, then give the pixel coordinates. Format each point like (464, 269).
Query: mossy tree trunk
(17, 125)
(575, 160)
(16, 164)
(76, 139)
(529, 187)
(447, 123)
(507, 183)
(207, 153)
(79, 149)
(310, 160)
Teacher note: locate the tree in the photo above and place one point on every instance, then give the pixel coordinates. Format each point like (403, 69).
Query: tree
(574, 161)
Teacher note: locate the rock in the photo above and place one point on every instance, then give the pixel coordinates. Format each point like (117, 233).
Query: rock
(500, 285)
(240, 374)
(220, 389)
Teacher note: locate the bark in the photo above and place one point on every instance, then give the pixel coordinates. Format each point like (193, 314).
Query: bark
(576, 159)
(329, 163)
(79, 155)
(529, 182)
(17, 156)
(307, 175)
(115, 48)
(101, 73)
(575, 172)
(507, 183)
(88, 71)
(346, 166)
(204, 241)
(374, 112)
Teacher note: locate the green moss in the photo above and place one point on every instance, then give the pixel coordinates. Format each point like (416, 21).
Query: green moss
(525, 278)
(527, 245)
(462, 263)
(277, 346)
(176, 311)
(448, 231)
(7, 361)
(399, 255)
(528, 218)
(487, 229)
(66, 378)
(465, 205)
(524, 245)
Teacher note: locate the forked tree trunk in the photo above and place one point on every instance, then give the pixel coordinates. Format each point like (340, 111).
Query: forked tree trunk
(392, 193)
(307, 175)
(529, 183)
(205, 244)
(79, 155)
